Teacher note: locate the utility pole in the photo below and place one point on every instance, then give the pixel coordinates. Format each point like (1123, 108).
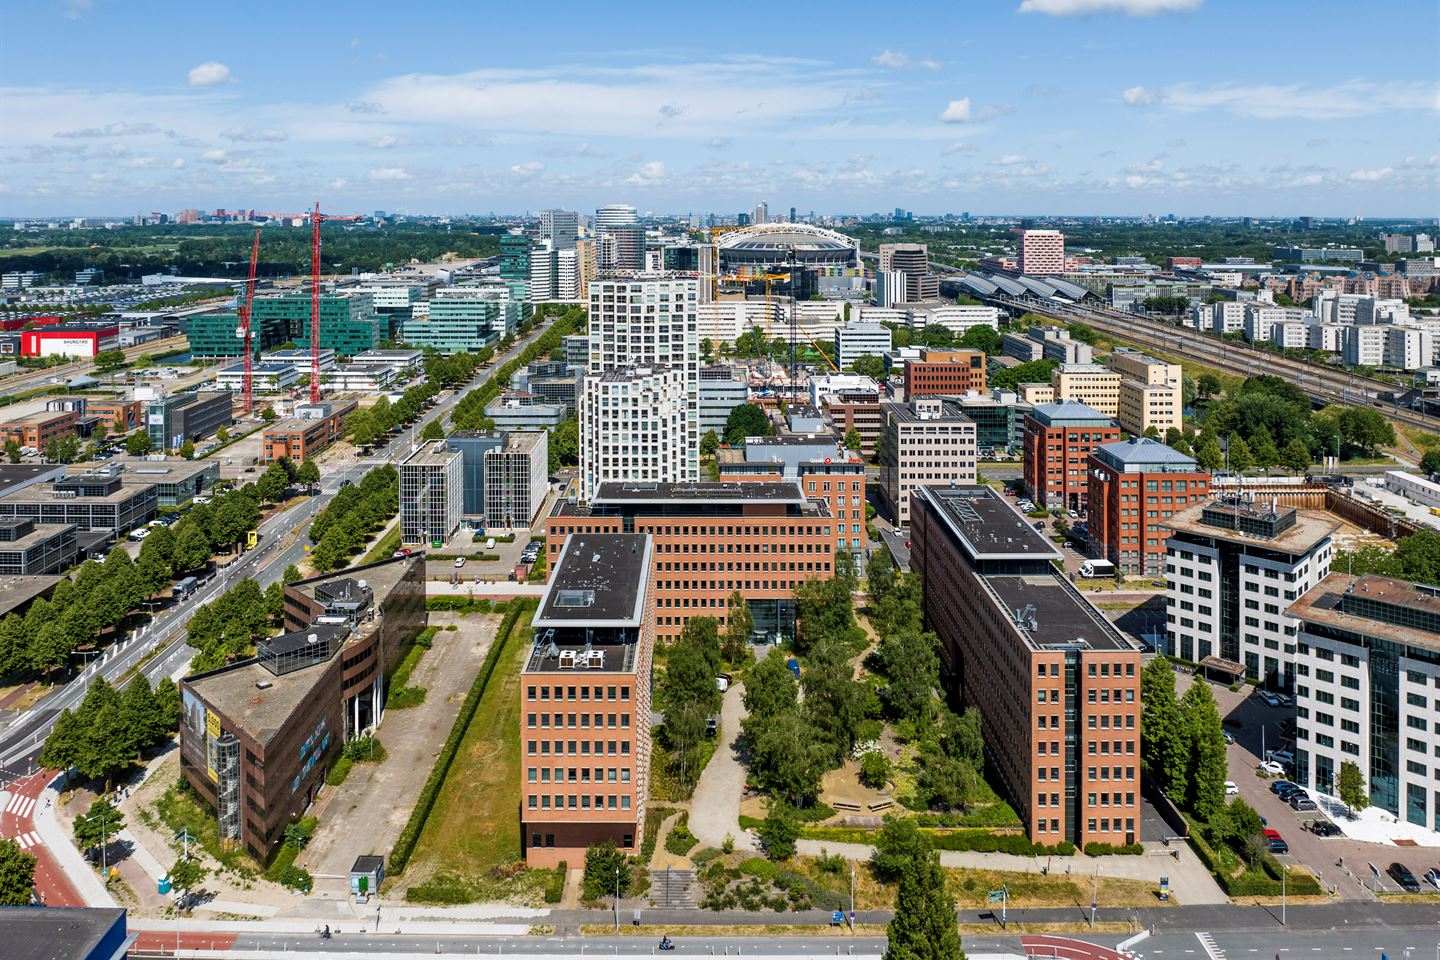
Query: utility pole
(1095, 896)
(1284, 872)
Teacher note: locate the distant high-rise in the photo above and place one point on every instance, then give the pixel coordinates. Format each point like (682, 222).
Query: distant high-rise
(628, 249)
(560, 227)
(1042, 252)
(614, 215)
(762, 212)
(792, 214)
(912, 261)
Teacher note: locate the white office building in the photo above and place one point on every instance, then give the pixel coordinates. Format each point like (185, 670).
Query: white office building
(722, 389)
(1367, 692)
(516, 479)
(559, 227)
(856, 340)
(432, 484)
(1232, 568)
(926, 442)
(614, 215)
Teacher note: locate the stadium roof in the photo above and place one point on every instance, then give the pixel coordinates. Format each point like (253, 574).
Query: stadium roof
(779, 236)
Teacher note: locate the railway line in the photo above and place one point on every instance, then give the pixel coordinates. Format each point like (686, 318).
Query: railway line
(1322, 384)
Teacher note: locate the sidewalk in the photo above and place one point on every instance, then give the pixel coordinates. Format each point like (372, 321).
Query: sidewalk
(77, 871)
(715, 805)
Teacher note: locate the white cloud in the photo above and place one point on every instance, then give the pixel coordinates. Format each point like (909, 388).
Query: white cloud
(1372, 176)
(1149, 166)
(213, 156)
(1131, 8)
(383, 142)
(648, 174)
(958, 148)
(958, 111)
(177, 163)
(255, 136)
(671, 110)
(117, 129)
(75, 9)
(364, 106)
(897, 60)
(1010, 160)
(390, 173)
(1352, 98)
(1139, 96)
(209, 74)
(534, 166)
(339, 183)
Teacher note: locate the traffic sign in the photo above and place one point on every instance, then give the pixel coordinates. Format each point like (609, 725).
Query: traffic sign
(997, 896)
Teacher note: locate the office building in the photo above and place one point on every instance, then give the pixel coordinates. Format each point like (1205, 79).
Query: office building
(348, 321)
(722, 389)
(559, 228)
(551, 381)
(171, 419)
(621, 247)
(465, 319)
(944, 373)
(1046, 343)
(925, 442)
(639, 413)
(177, 481)
(300, 360)
(31, 549)
(577, 350)
(1057, 442)
(1233, 567)
(824, 469)
(1089, 383)
(264, 377)
(525, 411)
(912, 262)
(1319, 254)
(217, 334)
(855, 340)
(258, 736)
(1056, 685)
(473, 445)
(515, 262)
(614, 215)
(1135, 365)
(75, 933)
(36, 430)
(999, 418)
(431, 488)
(96, 500)
(1367, 691)
(712, 539)
(1041, 252)
(594, 646)
(1136, 485)
(516, 479)
(300, 438)
(1146, 406)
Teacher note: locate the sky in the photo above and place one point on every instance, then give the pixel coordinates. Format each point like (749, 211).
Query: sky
(1029, 107)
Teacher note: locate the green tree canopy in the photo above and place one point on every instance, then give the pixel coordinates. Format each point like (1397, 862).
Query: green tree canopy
(746, 420)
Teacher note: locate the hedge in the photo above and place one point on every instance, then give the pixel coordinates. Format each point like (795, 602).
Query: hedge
(410, 834)
(463, 605)
(555, 883)
(1112, 849)
(654, 817)
(978, 841)
(1264, 882)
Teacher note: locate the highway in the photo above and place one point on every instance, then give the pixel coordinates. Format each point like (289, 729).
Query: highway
(1322, 383)
(282, 542)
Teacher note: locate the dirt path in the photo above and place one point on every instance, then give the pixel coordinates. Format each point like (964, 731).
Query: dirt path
(715, 805)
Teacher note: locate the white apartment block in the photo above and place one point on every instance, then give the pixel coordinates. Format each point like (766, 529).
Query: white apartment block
(1325, 336)
(856, 340)
(516, 479)
(927, 442)
(1134, 365)
(1364, 345)
(1331, 306)
(1409, 348)
(1233, 566)
(957, 318)
(1095, 386)
(1226, 316)
(1260, 320)
(1367, 691)
(637, 424)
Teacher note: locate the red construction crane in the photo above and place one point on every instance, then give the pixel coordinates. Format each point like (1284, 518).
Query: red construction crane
(247, 376)
(316, 219)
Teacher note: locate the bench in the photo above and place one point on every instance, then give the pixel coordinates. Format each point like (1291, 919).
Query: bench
(879, 805)
(846, 805)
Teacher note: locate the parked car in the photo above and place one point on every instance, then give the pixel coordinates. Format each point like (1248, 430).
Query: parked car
(1272, 768)
(1275, 842)
(1324, 828)
(459, 562)
(1432, 877)
(1301, 802)
(1401, 874)
(712, 726)
(1284, 699)
(1279, 785)
(1230, 788)
(1229, 737)
(1283, 756)
(723, 682)
(141, 534)
(1270, 699)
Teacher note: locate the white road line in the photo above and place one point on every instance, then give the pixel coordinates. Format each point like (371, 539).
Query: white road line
(23, 808)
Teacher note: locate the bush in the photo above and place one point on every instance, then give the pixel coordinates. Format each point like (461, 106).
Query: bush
(654, 817)
(403, 698)
(759, 868)
(980, 841)
(444, 889)
(339, 772)
(780, 831)
(555, 883)
(410, 833)
(680, 841)
(601, 863)
(874, 769)
(426, 638)
(461, 605)
(1111, 849)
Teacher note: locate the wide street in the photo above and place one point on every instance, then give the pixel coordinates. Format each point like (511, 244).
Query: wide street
(282, 542)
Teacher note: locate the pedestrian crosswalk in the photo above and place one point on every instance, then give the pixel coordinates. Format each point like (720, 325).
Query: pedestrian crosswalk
(20, 806)
(26, 840)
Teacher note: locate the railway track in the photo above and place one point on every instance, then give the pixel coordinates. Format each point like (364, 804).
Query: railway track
(1320, 383)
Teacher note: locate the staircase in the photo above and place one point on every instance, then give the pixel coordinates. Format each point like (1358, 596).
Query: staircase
(671, 889)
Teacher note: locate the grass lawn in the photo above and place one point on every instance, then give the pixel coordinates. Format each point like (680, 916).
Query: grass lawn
(386, 545)
(179, 809)
(475, 825)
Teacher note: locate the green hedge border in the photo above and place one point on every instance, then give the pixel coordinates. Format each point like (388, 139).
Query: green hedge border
(1254, 883)
(978, 841)
(410, 835)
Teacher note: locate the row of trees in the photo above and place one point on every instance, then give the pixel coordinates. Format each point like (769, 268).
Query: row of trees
(227, 629)
(368, 424)
(108, 731)
(347, 523)
(470, 410)
(1415, 558)
(1182, 741)
(1268, 415)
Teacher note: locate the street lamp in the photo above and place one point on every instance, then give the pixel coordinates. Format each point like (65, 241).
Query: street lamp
(617, 901)
(1284, 872)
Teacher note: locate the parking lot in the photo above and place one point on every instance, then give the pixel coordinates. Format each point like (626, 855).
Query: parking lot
(1257, 727)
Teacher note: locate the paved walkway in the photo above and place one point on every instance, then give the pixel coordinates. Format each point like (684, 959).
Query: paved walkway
(715, 805)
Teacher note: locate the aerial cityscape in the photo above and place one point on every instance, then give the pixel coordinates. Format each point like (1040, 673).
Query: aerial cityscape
(766, 482)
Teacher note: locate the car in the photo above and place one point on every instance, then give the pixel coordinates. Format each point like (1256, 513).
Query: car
(1284, 700)
(1270, 699)
(1272, 768)
(201, 500)
(1231, 789)
(1324, 828)
(1432, 877)
(1401, 875)
(1286, 790)
(1229, 737)
(712, 726)
(1275, 842)
(141, 534)
(1279, 785)
(722, 682)
(1301, 802)
(459, 562)
(1283, 756)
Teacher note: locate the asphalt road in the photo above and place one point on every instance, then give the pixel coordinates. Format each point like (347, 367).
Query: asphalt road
(282, 542)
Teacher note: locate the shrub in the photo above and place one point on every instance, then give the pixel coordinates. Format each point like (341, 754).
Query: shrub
(444, 889)
(339, 772)
(403, 698)
(654, 817)
(874, 769)
(780, 831)
(426, 638)
(555, 883)
(759, 868)
(1110, 849)
(680, 841)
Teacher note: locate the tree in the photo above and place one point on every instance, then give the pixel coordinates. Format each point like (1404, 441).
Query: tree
(687, 690)
(770, 689)
(63, 449)
(308, 474)
(12, 450)
(187, 875)
(97, 826)
(833, 700)
(433, 431)
(564, 444)
(739, 625)
(709, 443)
(852, 439)
(1296, 456)
(879, 576)
(108, 361)
(137, 444)
(187, 449)
(223, 434)
(1205, 755)
(1160, 723)
(269, 415)
(1208, 455)
(1207, 385)
(167, 707)
(746, 420)
(923, 926)
(273, 483)
(602, 864)
(870, 366)
(1429, 463)
(1263, 449)
(1351, 786)
(779, 831)
(981, 338)
(17, 875)
(1366, 428)
(787, 757)
(140, 714)
(911, 668)
(898, 844)
(1240, 457)
(291, 574)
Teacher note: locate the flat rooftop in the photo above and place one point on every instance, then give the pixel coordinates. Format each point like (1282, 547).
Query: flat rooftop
(57, 933)
(39, 534)
(698, 492)
(1374, 606)
(18, 591)
(129, 487)
(20, 474)
(600, 580)
(523, 441)
(432, 453)
(1311, 527)
(987, 526)
(381, 577)
(904, 411)
(170, 470)
(1049, 613)
(37, 417)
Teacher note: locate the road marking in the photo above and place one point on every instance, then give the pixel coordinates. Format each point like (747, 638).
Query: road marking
(1212, 949)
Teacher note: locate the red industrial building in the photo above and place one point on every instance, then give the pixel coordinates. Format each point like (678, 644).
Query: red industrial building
(71, 340)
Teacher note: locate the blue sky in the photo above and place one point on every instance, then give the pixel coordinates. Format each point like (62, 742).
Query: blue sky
(1265, 107)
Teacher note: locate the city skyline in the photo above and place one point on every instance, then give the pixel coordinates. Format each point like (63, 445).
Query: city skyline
(1076, 107)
